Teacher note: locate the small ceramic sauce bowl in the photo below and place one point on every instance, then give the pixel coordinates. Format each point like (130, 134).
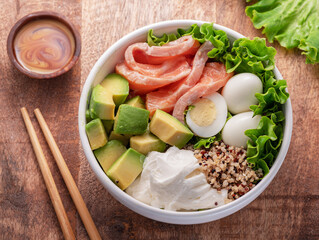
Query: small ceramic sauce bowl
(43, 45)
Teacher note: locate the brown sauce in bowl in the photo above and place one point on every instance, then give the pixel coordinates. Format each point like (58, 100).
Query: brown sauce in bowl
(44, 46)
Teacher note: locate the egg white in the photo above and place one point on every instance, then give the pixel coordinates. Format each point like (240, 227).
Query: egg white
(217, 124)
(234, 130)
(239, 92)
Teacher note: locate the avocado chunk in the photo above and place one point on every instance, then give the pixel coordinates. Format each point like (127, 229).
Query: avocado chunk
(108, 125)
(87, 115)
(120, 137)
(101, 103)
(169, 129)
(147, 143)
(118, 86)
(96, 133)
(131, 120)
(136, 101)
(109, 153)
(125, 170)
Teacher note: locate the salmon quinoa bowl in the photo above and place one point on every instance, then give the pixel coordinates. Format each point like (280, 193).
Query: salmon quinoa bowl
(185, 121)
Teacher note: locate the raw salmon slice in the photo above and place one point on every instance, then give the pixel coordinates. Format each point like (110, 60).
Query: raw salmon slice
(142, 53)
(213, 78)
(148, 68)
(166, 97)
(155, 76)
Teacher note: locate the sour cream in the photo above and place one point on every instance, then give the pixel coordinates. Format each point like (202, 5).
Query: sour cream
(173, 181)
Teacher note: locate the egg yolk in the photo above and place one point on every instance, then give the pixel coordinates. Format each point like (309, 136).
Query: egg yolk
(203, 113)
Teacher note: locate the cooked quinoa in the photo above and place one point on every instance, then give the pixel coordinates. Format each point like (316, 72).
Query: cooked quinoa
(226, 167)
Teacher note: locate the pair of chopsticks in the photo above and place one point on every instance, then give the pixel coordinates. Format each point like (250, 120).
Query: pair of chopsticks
(67, 177)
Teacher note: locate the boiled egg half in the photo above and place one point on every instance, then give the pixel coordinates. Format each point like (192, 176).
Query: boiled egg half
(208, 115)
(239, 92)
(234, 131)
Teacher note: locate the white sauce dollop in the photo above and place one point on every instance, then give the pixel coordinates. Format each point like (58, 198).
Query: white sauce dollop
(173, 181)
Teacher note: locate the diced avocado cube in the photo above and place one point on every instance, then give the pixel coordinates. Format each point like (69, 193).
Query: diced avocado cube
(87, 115)
(108, 125)
(125, 170)
(93, 115)
(131, 120)
(109, 153)
(169, 129)
(96, 133)
(118, 86)
(136, 101)
(147, 143)
(120, 137)
(101, 103)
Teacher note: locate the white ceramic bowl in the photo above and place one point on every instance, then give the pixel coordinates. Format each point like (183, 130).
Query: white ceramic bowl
(106, 65)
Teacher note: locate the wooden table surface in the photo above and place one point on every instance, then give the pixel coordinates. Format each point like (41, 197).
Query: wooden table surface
(287, 209)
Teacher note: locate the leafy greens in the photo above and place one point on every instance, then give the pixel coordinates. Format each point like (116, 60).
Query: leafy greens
(293, 23)
(255, 57)
(207, 142)
(250, 56)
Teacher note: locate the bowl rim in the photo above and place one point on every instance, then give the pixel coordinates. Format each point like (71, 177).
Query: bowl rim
(36, 16)
(193, 217)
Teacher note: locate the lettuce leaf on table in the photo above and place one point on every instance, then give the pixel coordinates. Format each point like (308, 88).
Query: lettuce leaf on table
(293, 23)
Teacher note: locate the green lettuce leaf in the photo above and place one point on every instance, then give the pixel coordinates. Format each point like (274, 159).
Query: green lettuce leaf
(152, 40)
(250, 56)
(205, 32)
(293, 23)
(255, 57)
(264, 143)
(274, 95)
(207, 142)
(263, 165)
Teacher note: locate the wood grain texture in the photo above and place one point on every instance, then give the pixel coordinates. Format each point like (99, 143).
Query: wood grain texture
(25, 207)
(289, 207)
(48, 179)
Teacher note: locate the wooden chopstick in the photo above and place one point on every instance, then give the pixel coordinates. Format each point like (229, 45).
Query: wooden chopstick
(48, 179)
(68, 179)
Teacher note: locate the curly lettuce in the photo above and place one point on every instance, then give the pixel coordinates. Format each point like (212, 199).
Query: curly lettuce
(274, 95)
(264, 143)
(293, 23)
(250, 56)
(255, 57)
(152, 40)
(205, 32)
(207, 142)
